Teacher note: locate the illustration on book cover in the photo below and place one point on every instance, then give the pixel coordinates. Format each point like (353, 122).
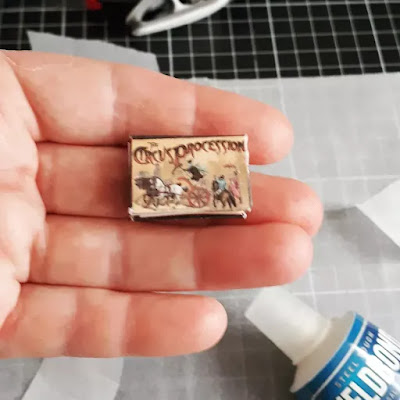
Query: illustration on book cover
(174, 176)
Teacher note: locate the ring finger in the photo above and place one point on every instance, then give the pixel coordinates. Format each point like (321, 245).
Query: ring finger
(119, 255)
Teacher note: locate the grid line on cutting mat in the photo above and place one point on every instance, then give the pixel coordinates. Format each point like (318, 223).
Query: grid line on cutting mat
(247, 39)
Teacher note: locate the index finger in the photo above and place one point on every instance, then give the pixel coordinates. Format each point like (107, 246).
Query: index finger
(88, 102)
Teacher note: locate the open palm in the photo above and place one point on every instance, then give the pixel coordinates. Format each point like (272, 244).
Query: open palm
(77, 276)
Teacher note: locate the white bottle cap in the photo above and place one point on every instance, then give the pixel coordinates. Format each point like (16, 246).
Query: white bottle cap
(289, 323)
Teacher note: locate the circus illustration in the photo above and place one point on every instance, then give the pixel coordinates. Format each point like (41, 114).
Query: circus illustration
(189, 180)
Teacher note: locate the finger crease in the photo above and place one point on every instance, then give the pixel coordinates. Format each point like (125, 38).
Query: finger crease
(122, 278)
(195, 105)
(117, 108)
(72, 328)
(196, 262)
(130, 327)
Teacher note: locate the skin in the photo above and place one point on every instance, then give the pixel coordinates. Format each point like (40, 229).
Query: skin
(79, 279)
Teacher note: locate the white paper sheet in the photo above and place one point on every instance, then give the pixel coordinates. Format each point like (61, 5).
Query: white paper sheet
(94, 49)
(67, 378)
(383, 210)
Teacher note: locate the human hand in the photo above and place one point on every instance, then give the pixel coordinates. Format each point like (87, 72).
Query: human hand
(77, 277)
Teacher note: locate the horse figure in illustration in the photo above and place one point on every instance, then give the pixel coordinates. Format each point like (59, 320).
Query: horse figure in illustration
(157, 192)
(150, 197)
(223, 196)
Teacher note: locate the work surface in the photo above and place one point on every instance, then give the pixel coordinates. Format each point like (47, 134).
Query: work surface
(248, 39)
(347, 148)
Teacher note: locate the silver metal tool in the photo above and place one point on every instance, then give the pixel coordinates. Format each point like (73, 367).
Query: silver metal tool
(151, 16)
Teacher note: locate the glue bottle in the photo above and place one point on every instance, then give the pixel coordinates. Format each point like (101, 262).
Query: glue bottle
(345, 358)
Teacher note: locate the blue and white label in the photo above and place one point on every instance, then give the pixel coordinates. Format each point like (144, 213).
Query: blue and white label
(365, 367)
